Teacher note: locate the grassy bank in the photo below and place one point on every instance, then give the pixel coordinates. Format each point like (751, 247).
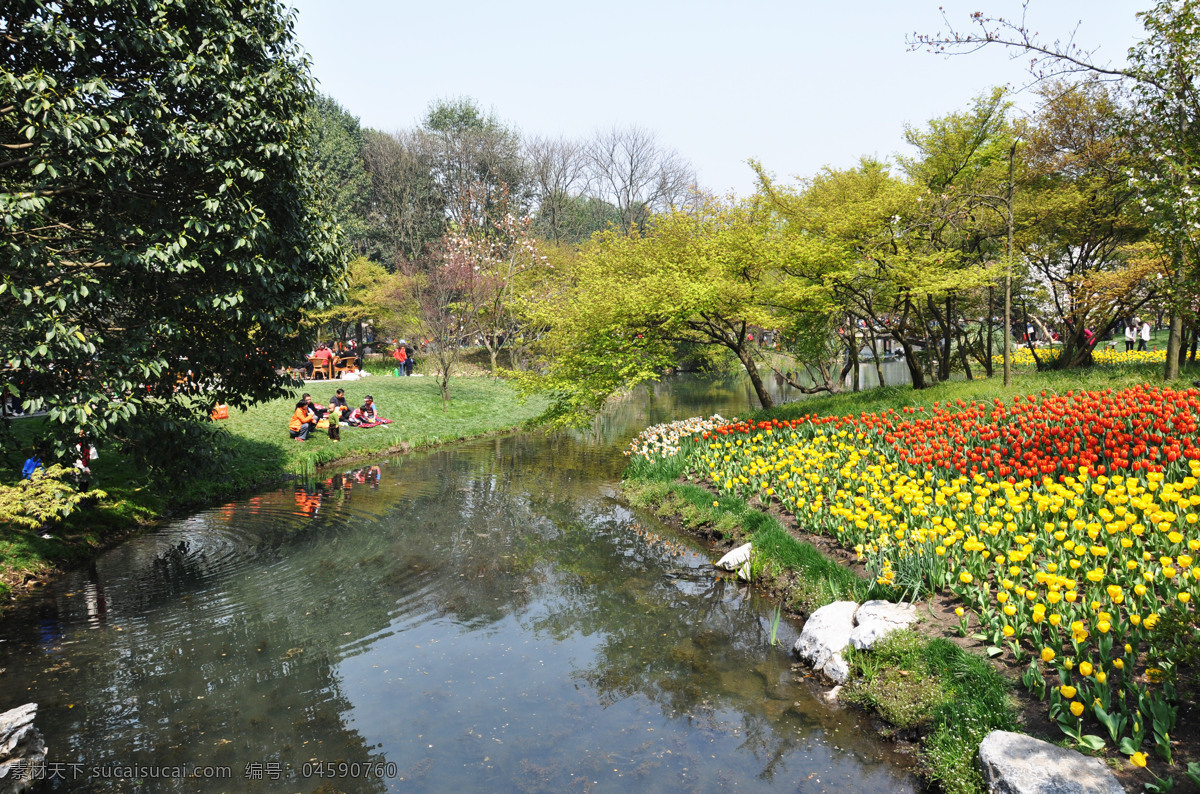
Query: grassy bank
(258, 453)
(944, 692)
(925, 687)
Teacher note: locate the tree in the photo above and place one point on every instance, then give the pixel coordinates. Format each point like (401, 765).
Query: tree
(373, 296)
(342, 181)
(558, 170)
(965, 163)
(499, 258)
(439, 288)
(701, 276)
(407, 212)
(1080, 215)
(161, 231)
(1163, 122)
(476, 163)
(864, 235)
(632, 171)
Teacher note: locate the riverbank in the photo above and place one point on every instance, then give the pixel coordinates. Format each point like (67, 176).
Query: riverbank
(916, 682)
(259, 454)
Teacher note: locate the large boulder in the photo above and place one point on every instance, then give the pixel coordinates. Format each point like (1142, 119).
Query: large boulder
(22, 749)
(874, 620)
(1013, 763)
(825, 634)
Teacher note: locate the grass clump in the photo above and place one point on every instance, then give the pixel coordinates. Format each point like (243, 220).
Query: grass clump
(953, 698)
(894, 679)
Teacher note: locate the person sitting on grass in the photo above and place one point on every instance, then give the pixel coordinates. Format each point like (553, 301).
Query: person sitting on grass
(369, 414)
(303, 419)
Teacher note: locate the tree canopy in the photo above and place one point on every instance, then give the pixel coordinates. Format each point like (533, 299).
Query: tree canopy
(161, 233)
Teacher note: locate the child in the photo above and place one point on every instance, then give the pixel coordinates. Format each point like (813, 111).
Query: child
(335, 416)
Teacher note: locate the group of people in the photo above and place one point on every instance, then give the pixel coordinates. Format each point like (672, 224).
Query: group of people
(1137, 330)
(338, 414)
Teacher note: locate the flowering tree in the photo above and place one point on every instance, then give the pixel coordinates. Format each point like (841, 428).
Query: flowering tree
(499, 256)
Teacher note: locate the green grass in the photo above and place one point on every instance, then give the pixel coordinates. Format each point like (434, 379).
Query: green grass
(808, 579)
(260, 453)
(952, 697)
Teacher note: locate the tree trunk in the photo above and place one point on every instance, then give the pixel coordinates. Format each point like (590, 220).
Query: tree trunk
(915, 370)
(1172, 368)
(991, 330)
(752, 370)
(1012, 156)
(875, 355)
(854, 359)
(944, 364)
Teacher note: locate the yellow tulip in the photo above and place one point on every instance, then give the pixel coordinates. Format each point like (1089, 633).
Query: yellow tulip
(1047, 655)
(1076, 708)
(1138, 759)
(1067, 691)
(1085, 668)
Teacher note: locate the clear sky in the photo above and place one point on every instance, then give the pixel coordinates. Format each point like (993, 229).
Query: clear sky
(796, 85)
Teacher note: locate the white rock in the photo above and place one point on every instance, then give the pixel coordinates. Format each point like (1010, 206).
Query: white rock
(825, 634)
(744, 572)
(837, 669)
(831, 697)
(736, 558)
(877, 619)
(1013, 763)
(22, 750)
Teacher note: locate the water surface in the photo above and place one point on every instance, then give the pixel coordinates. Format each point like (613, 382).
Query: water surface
(489, 617)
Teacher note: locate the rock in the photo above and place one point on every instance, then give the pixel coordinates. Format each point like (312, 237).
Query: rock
(1013, 763)
(877, 619)
(825, 634)
(736, 558)
(22, 749)
(831, 697)
(744, 572)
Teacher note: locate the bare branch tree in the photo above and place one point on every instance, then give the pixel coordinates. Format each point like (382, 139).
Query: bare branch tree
(558, 170)
(630, 169)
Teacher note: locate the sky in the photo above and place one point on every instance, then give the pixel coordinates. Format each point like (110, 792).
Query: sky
(795, 85)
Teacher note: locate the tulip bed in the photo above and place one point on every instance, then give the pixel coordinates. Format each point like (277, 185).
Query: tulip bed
(1066, 524)
(1022, 357)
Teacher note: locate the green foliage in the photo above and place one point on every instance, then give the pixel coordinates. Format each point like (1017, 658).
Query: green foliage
(702, 275)
(895, 681)
(342, 183)
(47, 497)
(372, 295)
(161, 228)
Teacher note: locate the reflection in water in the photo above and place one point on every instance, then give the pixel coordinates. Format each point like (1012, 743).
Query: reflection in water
(488, 617)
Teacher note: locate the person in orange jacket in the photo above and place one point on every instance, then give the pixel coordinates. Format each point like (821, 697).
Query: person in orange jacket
(304, 419)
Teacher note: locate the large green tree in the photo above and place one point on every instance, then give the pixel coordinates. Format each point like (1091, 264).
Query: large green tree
(705, 275)
(342, 181)
(159, 230)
